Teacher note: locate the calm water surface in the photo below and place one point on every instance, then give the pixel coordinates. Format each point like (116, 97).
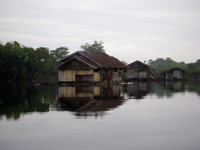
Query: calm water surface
(139, 116)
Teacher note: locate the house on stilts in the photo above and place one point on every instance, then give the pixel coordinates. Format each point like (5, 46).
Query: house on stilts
(84, 66)
(138, 71)
(174, 74)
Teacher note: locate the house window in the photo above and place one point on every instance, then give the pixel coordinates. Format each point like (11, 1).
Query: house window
(115, 69)
(96, 70)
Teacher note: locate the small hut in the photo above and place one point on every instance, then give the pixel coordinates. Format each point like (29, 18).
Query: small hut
(174, 74)
(138, 71)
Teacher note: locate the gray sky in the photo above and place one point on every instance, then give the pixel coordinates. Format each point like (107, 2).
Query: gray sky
(130, 29)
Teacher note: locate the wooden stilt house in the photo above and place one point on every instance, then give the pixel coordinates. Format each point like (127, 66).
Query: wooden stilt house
(138, 71)
(174, 74)
(84, 66)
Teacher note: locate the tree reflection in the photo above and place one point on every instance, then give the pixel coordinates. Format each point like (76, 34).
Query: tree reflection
(83, 101)
(168, 88)
(22, 98)
(161, 91)
(193, 86)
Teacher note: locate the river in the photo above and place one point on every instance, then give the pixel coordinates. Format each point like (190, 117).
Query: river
(136, 116)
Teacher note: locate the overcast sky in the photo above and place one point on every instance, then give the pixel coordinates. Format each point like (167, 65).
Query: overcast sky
(130, 29)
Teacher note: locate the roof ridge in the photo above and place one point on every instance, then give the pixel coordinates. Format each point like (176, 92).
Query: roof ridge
(69, 56)
(100, 59)
(90, 58)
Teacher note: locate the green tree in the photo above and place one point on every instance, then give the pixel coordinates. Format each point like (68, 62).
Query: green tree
(194, 67)
(43, 58)
(95, 47)
(43, 61)
(13, 60)
(1, 58)
(161, 65)
(59, 53)
(30, 62)
(25, 63)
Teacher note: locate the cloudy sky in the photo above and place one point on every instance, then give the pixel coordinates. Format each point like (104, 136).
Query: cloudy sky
(130, 29)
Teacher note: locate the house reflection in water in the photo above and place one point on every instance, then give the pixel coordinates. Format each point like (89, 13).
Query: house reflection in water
(175, 86)
(88, 100)
(137, 90)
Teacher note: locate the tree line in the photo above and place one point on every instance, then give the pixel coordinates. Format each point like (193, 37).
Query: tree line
(19, 62)
(160, 65)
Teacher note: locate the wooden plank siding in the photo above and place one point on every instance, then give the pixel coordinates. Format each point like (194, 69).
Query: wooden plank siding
(174, 74)
(138, 71)
(70, 75)
(85, 66)
(117, 75)
(132, 74)
(97, 77)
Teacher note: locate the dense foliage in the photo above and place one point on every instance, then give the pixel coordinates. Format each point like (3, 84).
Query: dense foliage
(19, 62)
(161, 65)
(18, 98)
(95, 47)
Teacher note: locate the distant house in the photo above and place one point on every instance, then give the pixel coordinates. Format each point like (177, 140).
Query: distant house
(138, 71)
(83, 66)
(174, 74)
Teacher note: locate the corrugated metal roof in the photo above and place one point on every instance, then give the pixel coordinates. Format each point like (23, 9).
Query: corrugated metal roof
(103, 59)
(97, 59)
(174, 69)
(138, 65)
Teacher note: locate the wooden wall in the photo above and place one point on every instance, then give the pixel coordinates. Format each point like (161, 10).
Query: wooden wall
(117, 75)
(131, 74)
(70, 75)
(176, 74)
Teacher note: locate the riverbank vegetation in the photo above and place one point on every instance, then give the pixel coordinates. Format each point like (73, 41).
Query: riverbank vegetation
(19, 62)
(160, 65)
